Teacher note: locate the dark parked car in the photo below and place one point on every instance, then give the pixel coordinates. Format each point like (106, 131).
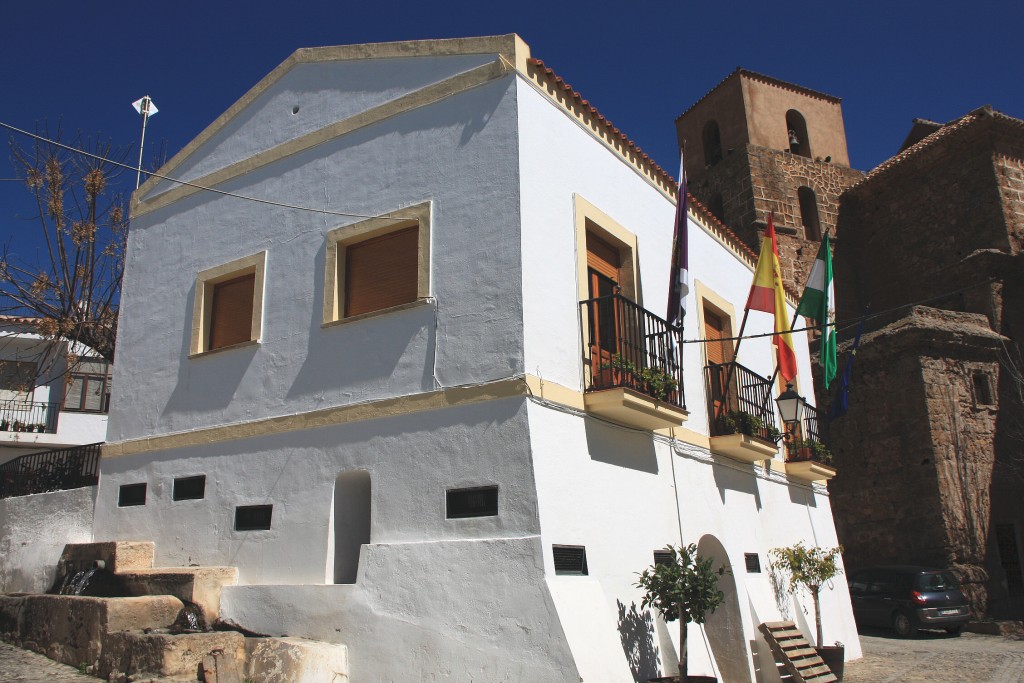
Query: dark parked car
(908, 598)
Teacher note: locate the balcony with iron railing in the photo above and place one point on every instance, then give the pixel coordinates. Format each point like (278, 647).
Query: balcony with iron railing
(741, 413)
(632, 363)
(56, 470)
(29, 416)
(808, 456)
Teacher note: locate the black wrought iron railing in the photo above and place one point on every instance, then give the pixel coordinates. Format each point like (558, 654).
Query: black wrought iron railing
(29, 416)
(628, 346)
(64, 468)
(739, 400)
(807, 440)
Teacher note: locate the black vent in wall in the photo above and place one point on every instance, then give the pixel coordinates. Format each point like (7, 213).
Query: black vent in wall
(570, 559)
(190, 488)
(131, 494)
(253, 517)
(481, 501)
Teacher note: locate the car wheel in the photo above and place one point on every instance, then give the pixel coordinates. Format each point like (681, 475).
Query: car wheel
(955, 630)
(903, 626)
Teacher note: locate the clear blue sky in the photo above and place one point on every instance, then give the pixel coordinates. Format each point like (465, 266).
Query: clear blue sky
(640, 63)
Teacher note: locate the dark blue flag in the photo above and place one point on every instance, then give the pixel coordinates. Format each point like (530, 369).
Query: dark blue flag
(841, 403)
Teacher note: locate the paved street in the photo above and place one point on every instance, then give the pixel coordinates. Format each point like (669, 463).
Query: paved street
(930, 658)
(935, 657)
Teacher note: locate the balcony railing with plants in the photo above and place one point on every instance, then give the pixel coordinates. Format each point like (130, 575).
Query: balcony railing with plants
(29, 416)
(806, 440)
(740, 402)
(628, 346)
(65, 468)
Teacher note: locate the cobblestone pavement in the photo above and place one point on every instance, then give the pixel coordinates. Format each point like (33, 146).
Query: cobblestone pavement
(934, 657)
(929, 658)
(22, 666)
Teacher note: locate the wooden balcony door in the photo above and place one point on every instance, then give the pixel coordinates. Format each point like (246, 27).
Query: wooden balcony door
(604, 275)
(719, 348)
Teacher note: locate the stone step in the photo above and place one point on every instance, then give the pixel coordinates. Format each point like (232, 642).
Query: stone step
(295, 660)
(167, 656)
(198, 585)
(71, 629)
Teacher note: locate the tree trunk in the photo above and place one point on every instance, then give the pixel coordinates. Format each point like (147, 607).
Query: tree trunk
(817, 615)
(682, 648)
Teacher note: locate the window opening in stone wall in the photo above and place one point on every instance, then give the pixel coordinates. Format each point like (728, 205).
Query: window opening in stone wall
(753, 562)
(662, 557)
(809, 213)
(351, 523)
(983, 394)
(712, 140)
(716, 206)
(189, 488)
(481, 501)
(131, 494)
(1009, 558)
(88, 387)
(796, 131)
(570, 560)
(253, 517)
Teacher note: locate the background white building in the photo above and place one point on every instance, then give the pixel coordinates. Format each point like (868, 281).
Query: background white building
(393, 413)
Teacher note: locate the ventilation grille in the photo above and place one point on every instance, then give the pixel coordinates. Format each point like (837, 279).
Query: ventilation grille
(753, 563)
(570, 559)
(253, 517)
(476, 502)
(131, 494)
(662, 557)
(190, 488)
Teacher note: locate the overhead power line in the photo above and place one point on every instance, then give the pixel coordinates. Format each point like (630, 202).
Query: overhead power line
(205, 188)
(841, 326)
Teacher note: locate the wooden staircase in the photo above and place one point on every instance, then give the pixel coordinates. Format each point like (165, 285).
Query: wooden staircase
(793, 651)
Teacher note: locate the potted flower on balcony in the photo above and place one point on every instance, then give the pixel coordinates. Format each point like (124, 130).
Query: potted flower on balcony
(4, 425)
(810, 569)
(684, 588)
(654, 382)
(742, 422)
(810, 449)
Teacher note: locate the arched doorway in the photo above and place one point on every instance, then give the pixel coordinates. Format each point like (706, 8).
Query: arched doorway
(351, 526)
(724, 628)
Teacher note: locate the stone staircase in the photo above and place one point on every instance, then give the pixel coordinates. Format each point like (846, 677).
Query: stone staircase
(136, 622)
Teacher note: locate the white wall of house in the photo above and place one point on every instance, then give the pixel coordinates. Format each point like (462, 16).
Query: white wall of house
(500, 165)
(460, 154)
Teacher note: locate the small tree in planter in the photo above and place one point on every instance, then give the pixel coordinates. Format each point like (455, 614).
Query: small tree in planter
(686, 588)
(810, 569)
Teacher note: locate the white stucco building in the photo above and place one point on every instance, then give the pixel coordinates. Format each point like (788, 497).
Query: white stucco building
(43, 404)
(392, 412)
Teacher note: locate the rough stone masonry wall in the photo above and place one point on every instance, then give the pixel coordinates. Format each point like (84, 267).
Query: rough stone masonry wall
(756, 181)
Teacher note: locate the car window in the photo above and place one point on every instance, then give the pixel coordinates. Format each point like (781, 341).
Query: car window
(936, 581)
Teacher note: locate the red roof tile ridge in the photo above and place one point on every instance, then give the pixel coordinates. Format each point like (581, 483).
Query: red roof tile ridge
(661, 174)
(716, 225)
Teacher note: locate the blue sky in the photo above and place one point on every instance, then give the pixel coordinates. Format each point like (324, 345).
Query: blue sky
(640, 63)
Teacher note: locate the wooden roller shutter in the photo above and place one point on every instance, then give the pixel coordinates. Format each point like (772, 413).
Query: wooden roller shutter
(715, 330)
(602, 257)
(382, 272)
(231, 311)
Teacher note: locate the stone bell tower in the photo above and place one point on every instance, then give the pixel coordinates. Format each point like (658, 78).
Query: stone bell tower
(756, 145)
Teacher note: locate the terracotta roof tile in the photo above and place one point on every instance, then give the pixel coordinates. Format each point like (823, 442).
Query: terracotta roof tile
(670, 183)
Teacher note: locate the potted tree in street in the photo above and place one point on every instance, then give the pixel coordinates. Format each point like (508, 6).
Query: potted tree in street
(810, 569)
(684, 588)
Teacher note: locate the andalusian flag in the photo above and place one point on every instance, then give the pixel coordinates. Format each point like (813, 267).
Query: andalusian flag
(819, 304)
(768, 295)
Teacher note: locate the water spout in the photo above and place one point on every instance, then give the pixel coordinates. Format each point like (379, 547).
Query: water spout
(77, 583)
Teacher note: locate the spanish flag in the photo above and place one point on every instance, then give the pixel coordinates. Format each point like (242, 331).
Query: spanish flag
(768, 295)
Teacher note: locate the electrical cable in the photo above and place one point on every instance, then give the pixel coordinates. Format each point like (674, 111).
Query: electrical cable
(841, 326)
(197, 186)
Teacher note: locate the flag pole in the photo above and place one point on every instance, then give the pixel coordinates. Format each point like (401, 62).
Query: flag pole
(732, 364)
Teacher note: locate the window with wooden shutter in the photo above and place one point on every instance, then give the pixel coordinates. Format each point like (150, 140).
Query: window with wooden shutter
(381, 272)
(231, 311)
(228, 306)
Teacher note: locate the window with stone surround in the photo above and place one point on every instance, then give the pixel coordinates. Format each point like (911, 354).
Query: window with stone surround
(982, 384)
(377, 265)
(228, 306)
(712, 139)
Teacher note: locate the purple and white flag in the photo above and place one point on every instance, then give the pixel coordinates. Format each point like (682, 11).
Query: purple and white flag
(679, 284)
